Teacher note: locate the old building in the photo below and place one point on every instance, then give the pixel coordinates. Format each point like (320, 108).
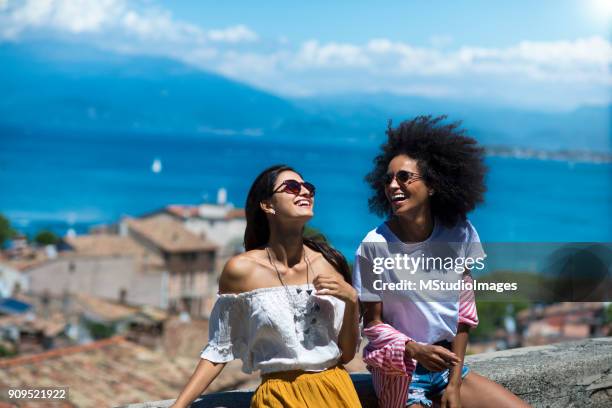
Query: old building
(189, 260)
(106, 266)
(220, 223)
(11, 279)
(153, 261)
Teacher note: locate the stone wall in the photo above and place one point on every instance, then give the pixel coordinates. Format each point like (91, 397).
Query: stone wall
(576, 374)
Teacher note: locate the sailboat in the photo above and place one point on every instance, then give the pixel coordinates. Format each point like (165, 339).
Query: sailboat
(156, 167)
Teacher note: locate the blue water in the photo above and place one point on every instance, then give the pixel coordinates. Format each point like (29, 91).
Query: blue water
(60, 181)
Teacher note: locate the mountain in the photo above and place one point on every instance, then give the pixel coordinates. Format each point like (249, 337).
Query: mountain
(71, 87)
(61, 87)
(586, 128)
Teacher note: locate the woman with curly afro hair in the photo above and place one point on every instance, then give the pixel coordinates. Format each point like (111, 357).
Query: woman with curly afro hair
(428, 176)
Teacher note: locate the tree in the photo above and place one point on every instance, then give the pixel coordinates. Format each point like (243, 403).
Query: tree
(6, 232)
(46, 238)
(608, 314)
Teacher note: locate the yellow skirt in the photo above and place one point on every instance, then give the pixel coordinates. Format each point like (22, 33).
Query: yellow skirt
(301, 389)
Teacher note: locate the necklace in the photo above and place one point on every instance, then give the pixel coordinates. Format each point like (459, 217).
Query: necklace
(297, 313)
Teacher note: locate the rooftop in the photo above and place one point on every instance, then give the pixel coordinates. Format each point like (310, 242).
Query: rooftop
(123, 371)
(28, 259)
(169, 235)
(206, 211)
(113, 245)
(50, 326)
(104, 310)
(560, 309)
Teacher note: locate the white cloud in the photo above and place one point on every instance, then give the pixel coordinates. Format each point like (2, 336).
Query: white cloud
(74, 16)
(159, 25)
(581, 60)
(332, 55)
(312, 67)
(564, 74)
(115, 17)
(234, 34)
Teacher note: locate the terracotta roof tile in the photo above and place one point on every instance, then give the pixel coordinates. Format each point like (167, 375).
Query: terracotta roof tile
(31, 259)
(108, 372)
(182, 211)
(169, 235)
(236, 213)
(107, 310)
(113, 245)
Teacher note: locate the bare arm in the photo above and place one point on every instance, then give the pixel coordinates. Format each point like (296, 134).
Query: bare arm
(204, 374)
(372, 313)
(452, 395)
(334, 284)
(467, 318)
(349, 333)
(231, 280)
(459, 346)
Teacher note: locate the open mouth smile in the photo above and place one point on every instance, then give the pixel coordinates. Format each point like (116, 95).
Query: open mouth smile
(303, 202)
(398, 197)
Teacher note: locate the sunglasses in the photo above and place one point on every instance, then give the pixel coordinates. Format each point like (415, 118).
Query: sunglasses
(402, 176)
(295, 187)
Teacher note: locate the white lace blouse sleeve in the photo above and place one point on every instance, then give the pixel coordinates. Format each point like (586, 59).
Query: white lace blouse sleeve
(227, 329)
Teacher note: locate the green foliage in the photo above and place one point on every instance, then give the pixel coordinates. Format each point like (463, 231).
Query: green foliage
(494, 307)
(7, 351)
(46, 238)
(491, 317)
(6, 232)
(608, 314)
(100, 331)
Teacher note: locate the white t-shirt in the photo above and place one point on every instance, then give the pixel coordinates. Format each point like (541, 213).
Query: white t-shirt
(426, 316)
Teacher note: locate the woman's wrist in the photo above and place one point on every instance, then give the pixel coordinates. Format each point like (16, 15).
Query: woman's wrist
(352, 298)
(454, 379)
(411, 348)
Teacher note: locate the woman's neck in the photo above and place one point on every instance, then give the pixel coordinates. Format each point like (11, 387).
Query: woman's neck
(413, 227)
(287, 244)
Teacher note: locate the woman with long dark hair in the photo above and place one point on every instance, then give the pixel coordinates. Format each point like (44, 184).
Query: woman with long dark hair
(285, 307)
(428, 176)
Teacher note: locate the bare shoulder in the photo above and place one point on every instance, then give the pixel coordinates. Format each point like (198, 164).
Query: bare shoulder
(237, 273)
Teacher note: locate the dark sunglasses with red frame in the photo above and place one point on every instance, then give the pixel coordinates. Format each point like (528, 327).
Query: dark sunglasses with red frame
(294, 187)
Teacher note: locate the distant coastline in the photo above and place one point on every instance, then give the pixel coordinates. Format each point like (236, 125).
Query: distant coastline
(558, 155)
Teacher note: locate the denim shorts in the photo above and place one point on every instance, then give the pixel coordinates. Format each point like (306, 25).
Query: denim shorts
(426, 384)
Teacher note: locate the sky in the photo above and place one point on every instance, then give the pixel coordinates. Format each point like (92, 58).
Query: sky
(543, 55)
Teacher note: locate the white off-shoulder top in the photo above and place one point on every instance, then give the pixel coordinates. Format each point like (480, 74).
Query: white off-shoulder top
(264, 329)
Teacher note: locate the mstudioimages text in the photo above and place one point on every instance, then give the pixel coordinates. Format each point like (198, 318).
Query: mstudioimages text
(412, 264)
(440, 285)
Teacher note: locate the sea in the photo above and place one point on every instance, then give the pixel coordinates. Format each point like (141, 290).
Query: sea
(71, 180)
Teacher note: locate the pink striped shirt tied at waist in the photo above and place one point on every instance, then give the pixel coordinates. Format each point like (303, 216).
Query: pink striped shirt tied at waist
(386, 358)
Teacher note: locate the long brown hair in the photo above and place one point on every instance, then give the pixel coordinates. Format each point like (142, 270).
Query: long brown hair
(257, 233)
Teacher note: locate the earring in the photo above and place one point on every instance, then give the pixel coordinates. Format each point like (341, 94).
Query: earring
(431, 192)
(271, 211)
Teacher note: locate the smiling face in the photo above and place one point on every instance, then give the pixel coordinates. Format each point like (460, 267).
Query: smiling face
(409, 196)
(290, 205)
